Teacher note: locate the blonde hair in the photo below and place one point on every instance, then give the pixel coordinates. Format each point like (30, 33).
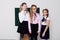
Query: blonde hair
(22, 5)
(31, 12)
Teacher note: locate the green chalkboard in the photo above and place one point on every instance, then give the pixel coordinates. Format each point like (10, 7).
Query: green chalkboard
(16, 15)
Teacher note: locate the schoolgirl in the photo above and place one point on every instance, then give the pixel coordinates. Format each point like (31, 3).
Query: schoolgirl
(23, 18)
(44, 34)
(34, 23)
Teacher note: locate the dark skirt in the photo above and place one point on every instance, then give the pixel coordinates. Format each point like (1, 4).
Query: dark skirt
(23, 27)
(46, 34)
(34, 29)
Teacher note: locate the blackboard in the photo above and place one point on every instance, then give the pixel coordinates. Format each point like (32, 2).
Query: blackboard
(16, 15)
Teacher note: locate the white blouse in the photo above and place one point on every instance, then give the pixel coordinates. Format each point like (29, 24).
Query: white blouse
(44, 23)
(23, 16)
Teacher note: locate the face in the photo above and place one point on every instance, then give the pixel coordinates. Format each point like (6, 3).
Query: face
(24, 7)
(34, 9)
(45, 13)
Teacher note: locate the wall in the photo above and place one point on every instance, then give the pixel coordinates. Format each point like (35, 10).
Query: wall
(7, 17)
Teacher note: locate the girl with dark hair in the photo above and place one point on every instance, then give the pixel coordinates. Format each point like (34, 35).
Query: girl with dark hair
(44, 34)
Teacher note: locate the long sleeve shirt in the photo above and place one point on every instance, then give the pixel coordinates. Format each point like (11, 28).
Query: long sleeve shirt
(23, 16)
(36, 19)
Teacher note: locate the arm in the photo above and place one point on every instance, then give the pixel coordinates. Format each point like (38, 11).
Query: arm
(48, 22)
(20, 17)
(39, 24)
(29, 26)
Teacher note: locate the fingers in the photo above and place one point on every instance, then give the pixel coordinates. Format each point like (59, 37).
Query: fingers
(30, 32)
(38, 32)
(43, 34)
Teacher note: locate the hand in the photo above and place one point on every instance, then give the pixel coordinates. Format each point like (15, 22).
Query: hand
(38, 32)
(30, 32)
(43, 34)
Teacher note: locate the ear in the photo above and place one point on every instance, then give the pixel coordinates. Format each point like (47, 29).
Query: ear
(21, 6)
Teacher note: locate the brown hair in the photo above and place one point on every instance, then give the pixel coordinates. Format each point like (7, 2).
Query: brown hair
(46, 15)
(31, 12)
(22, 5)
(46, 11)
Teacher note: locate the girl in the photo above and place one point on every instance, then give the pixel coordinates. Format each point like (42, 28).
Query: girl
(34, 23)
(23, 18)
(45, 25)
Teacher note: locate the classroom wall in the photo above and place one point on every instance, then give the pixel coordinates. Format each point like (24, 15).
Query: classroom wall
(7, 17)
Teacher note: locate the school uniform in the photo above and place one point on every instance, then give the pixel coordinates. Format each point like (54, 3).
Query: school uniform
(43, 26)
(23, 25)
(34, 26)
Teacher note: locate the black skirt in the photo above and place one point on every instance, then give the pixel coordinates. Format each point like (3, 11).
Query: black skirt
(34, 29)
(23, 27)
(46, 34)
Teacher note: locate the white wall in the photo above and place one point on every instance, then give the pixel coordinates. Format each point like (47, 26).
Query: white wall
(7, 17)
